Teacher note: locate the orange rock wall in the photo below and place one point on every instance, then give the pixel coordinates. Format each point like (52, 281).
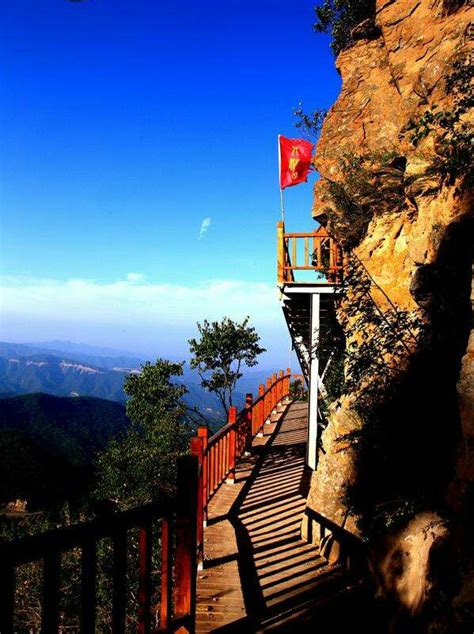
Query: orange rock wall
(386, 82)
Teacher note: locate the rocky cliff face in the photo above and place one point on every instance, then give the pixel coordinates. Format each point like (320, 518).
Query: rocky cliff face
(400, 469)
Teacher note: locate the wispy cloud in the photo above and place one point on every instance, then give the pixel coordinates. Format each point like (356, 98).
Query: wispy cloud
(135, 278)
(136, 298)
(205, 224)
(134, 312)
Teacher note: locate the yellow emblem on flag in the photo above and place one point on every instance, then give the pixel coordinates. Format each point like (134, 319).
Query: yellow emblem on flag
(293, 161)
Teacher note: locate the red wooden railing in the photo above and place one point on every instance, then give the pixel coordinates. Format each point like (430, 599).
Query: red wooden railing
(217, 455)
(308, 251)
(178, 563)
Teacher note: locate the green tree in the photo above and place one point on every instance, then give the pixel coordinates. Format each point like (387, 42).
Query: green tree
(220, 352)
(139, 466)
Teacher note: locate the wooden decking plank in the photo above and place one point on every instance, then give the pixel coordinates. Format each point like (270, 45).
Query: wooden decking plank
(255, 560)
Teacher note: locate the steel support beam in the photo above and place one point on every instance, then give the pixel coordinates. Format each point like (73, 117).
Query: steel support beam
(312, 446)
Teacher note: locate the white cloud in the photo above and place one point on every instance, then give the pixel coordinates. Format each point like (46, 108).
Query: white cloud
(205, 224)
(136, 314)
(135, 277)
(133, 298)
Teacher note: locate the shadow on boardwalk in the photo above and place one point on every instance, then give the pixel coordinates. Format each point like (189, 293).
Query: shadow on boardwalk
(259, 575)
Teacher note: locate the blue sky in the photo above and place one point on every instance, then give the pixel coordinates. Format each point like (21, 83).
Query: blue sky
(124, 125)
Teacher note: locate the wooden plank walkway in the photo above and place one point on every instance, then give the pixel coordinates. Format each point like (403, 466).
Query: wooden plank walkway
(258, 574)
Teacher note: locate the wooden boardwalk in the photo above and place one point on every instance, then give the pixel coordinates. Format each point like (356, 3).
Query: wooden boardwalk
(258, 574)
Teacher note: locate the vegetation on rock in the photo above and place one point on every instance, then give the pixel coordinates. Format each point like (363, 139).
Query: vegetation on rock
(345, 21)
(453, 132)
(309, 124)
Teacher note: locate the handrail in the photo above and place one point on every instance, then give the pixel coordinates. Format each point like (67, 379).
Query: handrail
(321, 254)
(217, 455)
(178, 547)
(32, 547)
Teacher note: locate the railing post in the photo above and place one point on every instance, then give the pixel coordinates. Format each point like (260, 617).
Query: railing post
(267, 400)
(7, 594)
(185, 566)
(274, 391)
(166, 573)
(249, 413)
(232, 418)
(119, 577)
(196, 450)
(88, 586)
(51, 574)
(280, 253)
(280, 386)
(287, 381)
(203, 433)
(144, 578)
(261, 404)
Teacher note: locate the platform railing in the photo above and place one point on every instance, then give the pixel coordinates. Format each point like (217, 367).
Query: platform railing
(218, 454)
(309, 251)
(168, 529)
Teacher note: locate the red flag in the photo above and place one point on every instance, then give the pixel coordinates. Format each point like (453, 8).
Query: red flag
(295, 161)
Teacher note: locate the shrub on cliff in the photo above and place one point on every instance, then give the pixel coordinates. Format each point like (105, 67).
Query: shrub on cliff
(452, 129)
(345, 21)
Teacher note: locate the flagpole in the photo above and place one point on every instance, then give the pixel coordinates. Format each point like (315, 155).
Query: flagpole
(282, 204)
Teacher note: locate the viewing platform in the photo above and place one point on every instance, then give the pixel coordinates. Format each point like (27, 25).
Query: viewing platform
(310, 269)
(314, 252)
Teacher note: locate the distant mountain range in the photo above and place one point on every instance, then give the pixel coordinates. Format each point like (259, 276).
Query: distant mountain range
(88, 355)
(69, 369)
(26, 369)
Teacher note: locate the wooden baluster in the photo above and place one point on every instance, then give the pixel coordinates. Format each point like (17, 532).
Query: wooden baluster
(294, 262)
(212, 469)
(219, 462)
(232, 444)
(267, 399)
(7, 594)
(203, 433)
(216, 465)
(196, 450)
(281, 273)
(88, 586)
(119, 574)
(185, 566)
(225, 450)
(144, 578)
(274, 391)
(51, 578)
(166, 573)
(260, 417)
(280, 385)
(247, 423)
(288, 380)
(226, 455)
(306, 251)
